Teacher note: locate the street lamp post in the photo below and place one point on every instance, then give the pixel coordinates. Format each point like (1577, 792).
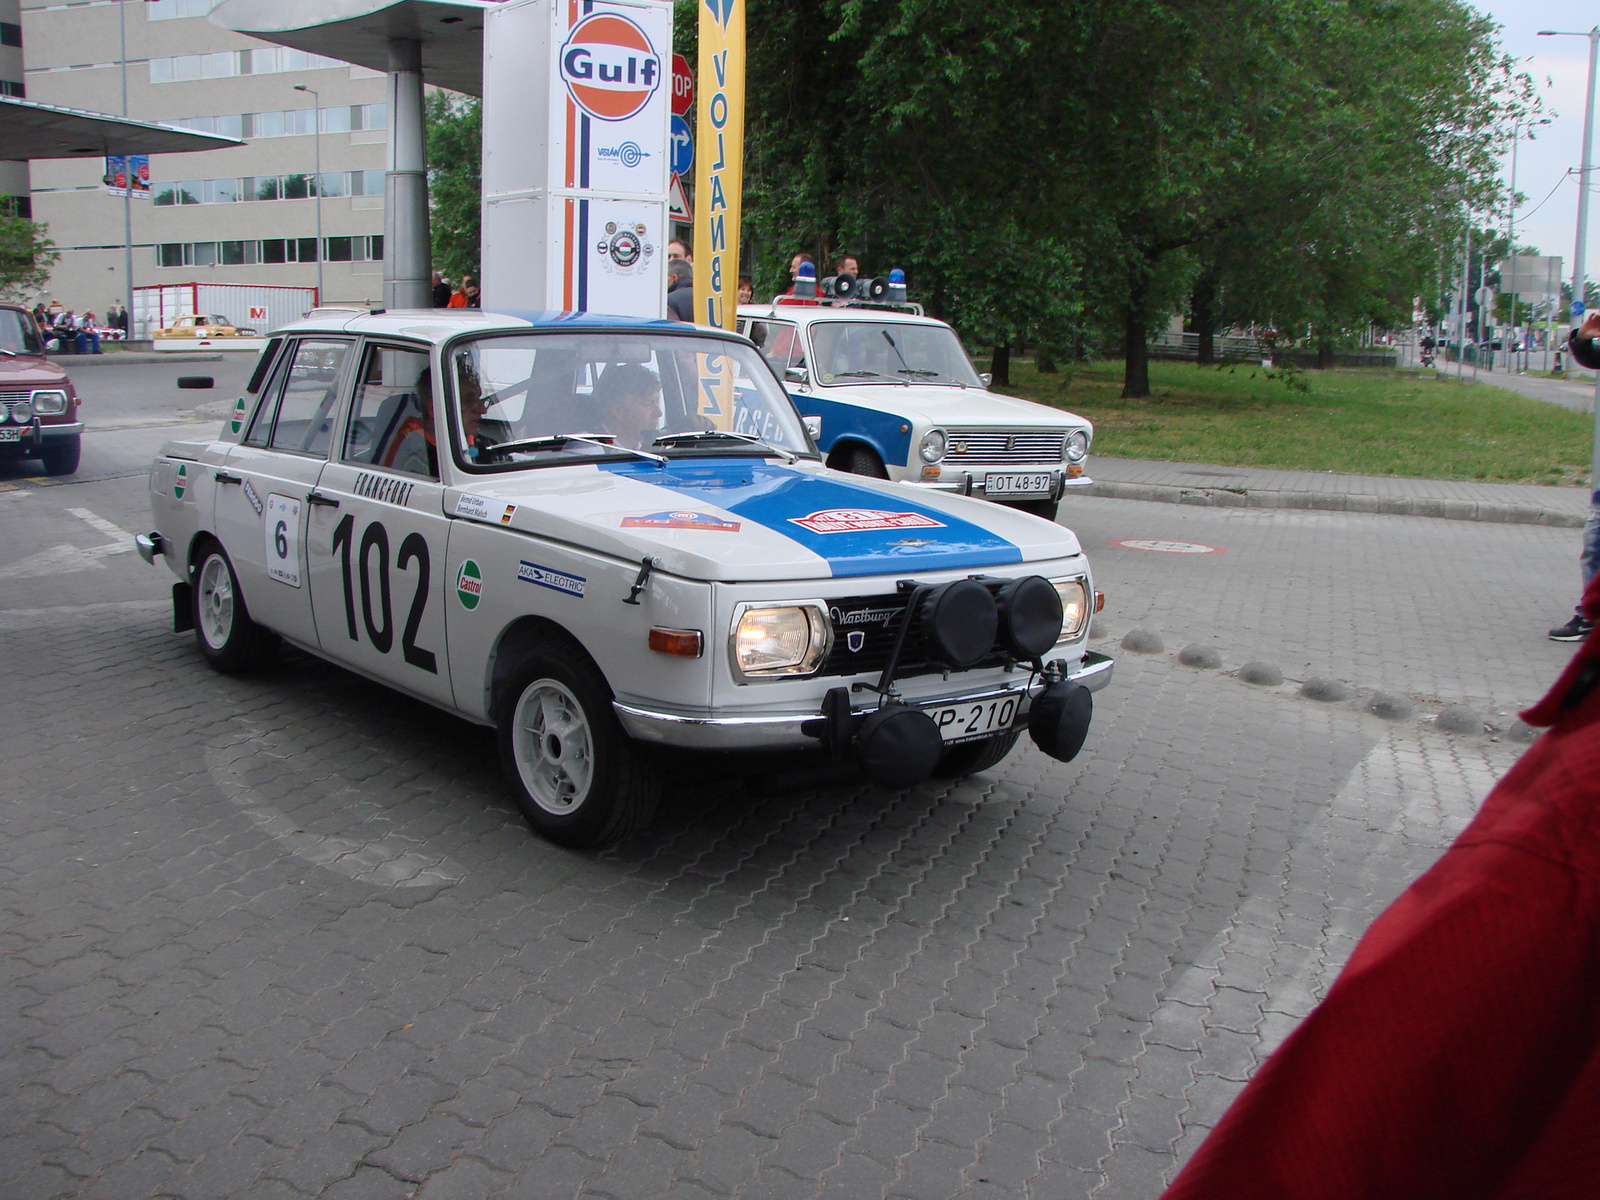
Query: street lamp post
(1583, 224)
(127, 192)
(316, 125)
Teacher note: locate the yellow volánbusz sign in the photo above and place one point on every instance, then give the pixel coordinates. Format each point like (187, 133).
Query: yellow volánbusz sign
(719, 169)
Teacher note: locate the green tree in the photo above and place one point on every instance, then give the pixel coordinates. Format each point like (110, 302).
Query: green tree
(27, 256)
(455, 181)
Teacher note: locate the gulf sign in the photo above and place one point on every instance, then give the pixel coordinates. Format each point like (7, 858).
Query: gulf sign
(609, 66)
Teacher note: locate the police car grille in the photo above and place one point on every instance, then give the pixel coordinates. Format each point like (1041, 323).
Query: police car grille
(877, 620)
(1003, 446)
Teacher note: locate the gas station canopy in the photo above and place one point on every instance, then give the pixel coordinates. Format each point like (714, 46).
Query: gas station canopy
(449, 32)
(29, 129)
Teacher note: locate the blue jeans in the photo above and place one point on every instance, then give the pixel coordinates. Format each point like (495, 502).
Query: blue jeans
(1589, 560)
(85, 338)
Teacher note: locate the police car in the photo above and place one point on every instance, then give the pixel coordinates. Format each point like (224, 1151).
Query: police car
(899, 399)
(603, 536)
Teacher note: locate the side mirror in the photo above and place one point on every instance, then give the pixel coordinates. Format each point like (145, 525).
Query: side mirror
(986, 377)
(797, 375)
(190, 383)
(813, 426)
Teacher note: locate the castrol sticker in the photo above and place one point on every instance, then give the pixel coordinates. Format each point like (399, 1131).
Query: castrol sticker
(609, 66)
(858, 520)
(469, 585)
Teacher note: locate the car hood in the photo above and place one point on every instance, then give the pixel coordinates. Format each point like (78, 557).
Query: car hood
(947, 405)
(27, 370)
(751, 519)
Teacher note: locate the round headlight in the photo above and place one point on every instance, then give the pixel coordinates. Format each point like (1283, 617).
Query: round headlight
(781, 640)
(49, 404)
(1074, 595)
(1077, 445)
(22, 411)
(932, 447)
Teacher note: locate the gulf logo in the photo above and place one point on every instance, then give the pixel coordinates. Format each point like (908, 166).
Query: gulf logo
(609, 66)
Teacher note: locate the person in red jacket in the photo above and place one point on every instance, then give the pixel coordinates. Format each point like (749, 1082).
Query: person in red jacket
(1457, 1056)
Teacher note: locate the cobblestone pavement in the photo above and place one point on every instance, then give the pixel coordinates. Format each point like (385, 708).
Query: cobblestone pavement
(286, 935)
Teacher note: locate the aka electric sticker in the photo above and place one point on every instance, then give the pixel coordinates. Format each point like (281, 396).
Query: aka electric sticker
(681, 520)
(469, 585)
(556, 581)
(857, 520)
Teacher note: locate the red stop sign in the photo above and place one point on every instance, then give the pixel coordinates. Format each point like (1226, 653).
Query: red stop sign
(682, 85)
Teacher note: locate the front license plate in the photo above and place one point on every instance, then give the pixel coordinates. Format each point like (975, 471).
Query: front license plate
(1037, 484)
(10, 435)
(974, 719)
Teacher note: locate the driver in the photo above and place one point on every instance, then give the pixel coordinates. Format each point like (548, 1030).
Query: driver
(415, 447)
(627, 401)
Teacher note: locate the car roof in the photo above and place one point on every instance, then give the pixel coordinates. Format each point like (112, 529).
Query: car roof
(438, 324)
(808, 313)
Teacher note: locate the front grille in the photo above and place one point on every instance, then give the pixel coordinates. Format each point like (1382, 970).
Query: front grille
(1003, 446)
(877, 619)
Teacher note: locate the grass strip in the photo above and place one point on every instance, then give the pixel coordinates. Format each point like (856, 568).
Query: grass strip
(1354, 421)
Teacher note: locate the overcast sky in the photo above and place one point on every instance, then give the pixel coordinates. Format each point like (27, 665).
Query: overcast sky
(1560, 66)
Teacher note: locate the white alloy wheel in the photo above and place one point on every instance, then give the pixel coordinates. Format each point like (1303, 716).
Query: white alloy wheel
(554, 747)
(215, 609)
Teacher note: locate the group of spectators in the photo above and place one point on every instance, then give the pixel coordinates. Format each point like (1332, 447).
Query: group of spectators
(680, 278)
(66, 331)
(463, 294)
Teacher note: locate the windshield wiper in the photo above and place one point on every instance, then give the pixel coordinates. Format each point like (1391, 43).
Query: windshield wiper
(558, 441)
(706, 435)
(921, 374)
(863, 374)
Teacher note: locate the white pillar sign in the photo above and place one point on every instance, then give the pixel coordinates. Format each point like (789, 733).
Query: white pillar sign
(577, 98)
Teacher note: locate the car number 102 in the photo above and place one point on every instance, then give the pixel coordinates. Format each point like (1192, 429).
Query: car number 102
(379, 624)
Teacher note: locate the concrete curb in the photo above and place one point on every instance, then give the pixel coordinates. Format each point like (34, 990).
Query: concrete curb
(1398, 506)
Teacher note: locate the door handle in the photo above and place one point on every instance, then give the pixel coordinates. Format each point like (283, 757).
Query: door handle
(324, 501)
(225, 477)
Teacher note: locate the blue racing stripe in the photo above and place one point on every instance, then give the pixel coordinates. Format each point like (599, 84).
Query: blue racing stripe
(858, 530)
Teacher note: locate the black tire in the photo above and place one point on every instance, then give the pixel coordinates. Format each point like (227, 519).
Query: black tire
(231, 642)
(971, 757)
(1039, 508)
(863, 460)
(61, 458)
(579, 779)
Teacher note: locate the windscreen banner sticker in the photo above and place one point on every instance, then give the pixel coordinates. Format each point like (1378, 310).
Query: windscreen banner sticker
(857, 520)
(681, 520)
(237, 423)
(253, 496)
(469, 585)
(180, 482)
(283, 539)
(716, 390)
(479, 508)
(556, 581)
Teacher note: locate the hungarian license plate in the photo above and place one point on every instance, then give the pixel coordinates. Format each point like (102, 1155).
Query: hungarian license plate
(10, 435)
(1035, 484)
(974, 718)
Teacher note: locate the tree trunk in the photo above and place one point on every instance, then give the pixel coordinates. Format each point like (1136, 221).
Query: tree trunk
(1136, 349)
(1000, 364)
(1324, 354)
(1203, 305)
(1044, 361)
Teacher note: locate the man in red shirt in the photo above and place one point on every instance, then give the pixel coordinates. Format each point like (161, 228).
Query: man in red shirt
(1457, 1056)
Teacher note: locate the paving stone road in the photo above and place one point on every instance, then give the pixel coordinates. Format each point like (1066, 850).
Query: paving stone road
(286, 936)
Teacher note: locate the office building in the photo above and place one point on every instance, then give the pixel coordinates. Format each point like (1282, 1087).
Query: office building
(245, 214)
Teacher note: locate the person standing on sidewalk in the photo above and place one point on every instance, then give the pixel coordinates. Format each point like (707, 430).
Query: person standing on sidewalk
(1584, 346)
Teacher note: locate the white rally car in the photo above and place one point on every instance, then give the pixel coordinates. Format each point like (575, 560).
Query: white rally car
(899, 399)
(603, 536)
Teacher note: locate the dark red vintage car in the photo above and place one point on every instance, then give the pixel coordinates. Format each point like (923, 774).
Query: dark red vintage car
(38, 408)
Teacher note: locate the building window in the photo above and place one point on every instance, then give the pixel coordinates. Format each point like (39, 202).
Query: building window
(268, 187)
(269, 251)
(12, 87)
(10, 34)
(268, 60)
(341, 118)
(167, 10)
(17, 206)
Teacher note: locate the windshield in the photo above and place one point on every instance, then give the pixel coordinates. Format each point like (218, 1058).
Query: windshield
(18, 334)
(853, 352)
(518, 396)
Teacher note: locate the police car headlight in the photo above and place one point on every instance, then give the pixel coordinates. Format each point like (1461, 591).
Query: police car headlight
(22, 411)
(932, 447)
(1074, 595)
(1077, 446)
(780, 640)
(49, 404)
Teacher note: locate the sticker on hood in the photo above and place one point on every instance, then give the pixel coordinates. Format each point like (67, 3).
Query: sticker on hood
(856, 520)
(681, 520)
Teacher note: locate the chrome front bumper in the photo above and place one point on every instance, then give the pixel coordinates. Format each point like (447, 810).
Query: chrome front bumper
(971, 482)
(778, 731)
